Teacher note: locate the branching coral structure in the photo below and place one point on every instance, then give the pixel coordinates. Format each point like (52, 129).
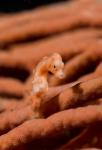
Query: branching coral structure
(51, 77)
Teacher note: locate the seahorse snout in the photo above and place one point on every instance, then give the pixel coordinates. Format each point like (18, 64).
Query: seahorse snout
(60, 74)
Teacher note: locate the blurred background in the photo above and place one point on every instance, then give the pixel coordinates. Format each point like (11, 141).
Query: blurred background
(20, 5)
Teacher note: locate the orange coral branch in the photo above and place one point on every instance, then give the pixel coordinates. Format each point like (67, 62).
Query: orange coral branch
(89, 90)
(9, 119)
(12, 87)
(28, 60)
(97, 73)
(12, 104)
(90, 137)
(43, 27)
(78, 141)
(50, 11)
(52, 126)
(83, 38)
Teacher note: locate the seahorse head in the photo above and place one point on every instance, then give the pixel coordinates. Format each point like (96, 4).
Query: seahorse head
(56, 66)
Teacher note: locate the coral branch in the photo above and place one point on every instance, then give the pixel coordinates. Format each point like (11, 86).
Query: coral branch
(46, 104)
(89, 90)
(78, 141)
(64, 43)
(97, 73)
(11, 87)
(9, 119)
(52, 126)
(49, 11)
(90, 137)
(44, 27)
(12, 104)
(22, 112)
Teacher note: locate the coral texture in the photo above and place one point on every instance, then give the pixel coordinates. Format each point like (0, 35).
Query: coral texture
(71, 107)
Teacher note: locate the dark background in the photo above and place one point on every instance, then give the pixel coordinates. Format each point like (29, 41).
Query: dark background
(19, 5)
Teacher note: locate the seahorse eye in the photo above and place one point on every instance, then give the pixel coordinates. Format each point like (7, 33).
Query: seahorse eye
(54, 66)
